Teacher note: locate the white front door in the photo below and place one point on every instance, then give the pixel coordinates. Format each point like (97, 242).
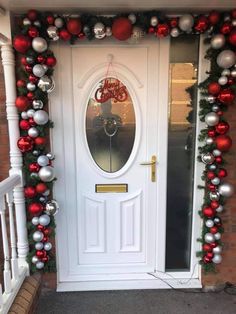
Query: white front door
(107, 238)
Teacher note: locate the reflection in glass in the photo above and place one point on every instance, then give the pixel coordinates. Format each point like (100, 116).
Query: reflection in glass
(181, 155)
(110, 130)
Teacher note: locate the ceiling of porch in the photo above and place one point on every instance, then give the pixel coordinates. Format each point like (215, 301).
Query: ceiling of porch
(110, 6)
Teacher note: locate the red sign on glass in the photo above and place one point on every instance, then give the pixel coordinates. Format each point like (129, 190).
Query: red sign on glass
(111, 89)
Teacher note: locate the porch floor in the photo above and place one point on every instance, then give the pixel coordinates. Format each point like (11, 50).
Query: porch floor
(136, 302)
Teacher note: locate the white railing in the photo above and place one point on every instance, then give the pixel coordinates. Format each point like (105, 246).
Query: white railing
(14, 270)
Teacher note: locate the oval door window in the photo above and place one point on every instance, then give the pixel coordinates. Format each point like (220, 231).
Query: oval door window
(110, 124)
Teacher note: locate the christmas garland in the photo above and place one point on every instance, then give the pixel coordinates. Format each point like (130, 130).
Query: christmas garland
(37, 30)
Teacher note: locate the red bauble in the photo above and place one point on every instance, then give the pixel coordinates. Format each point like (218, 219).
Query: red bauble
(122, 28)
(213, 245)
(223, 143)
(208, 212)
(214, 204)
(220, 113)
(28, 68)
(162, 30)
(214, 17)
(211, 187)
(47, 231)
(51, 61)
(25, 144)
(30, 192)
(45, 239)
(32, 122)
(207, 260)
(30, 95)
(201, 24)
(41, 188)
(226, 96)
(24, 125)
(214, 88)
(222, 127)
(151, 30)
(40, 228)
(210, 255)
(23, 61)
(45, 259)
(41, 253)
(35, 208)
(81, 35)
(226, 28)
(20, 83)
(33, 31)
(41, 59)
(231, 80)
(22, 103)
(40, 140)
(233, 14)
(21, 43)
(218, 160)
(222, 173)
(210, 175)
(174, 22)
(64, 34)
(32, 15)
(213, 229)
(34, 167)
(33, 79)
(50, 19)
(232, 37)
(74, 26)
(206, 247)
(211, 133)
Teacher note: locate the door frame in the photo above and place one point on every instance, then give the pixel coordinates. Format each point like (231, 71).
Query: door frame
(159, 279)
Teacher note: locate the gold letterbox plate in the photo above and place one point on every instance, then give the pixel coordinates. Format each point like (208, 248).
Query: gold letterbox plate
(111, 188)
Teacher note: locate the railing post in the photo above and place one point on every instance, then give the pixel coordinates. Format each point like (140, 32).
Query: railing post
(8, 61)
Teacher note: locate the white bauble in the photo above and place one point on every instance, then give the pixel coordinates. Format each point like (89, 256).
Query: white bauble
(43, 160)
(217, 236)
(39, 265)
(209, 237)
(44, 220)
(24, 115)
(35, 259)
(35, 221)
(30, 113)
(58, 22)
(217, 249)
(218, 41)
(212, 119)
(223, 80)
(209, 223)
(46, 174)
(226, 59)
(38, 246)
(33, 132)
(47, 246)
(217, 259)
(41, 117)
(186, 22)
(37, 236)
(226, 189)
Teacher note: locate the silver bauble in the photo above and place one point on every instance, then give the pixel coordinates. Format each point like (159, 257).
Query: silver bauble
(186, 22)
(215, 108)
(214, 196)
(154, 21)
(216, 152)
(44, 220)
(41, 117)
(223, 80)
(52, 208)
(37, 104)
(46, 174)
(217, 249)
(39, 265)
(53, 32)
(217, 236)
(233, 73)
(36, 152)
(137, 34)
(217, 259)
(99, 30)
(132, 18)
(219, 209)
(38, 70)
(209, 238)
(225, 72)
(35, 259)
(86, 30)
(30, 113)
(226, 59)
(46, 193)
(233, 22)
(26, 21)
(37, 236)
(35, 221)
(215, 181)
(209, 140)
(108, 31)
(211, 99)
(46, 84)
(42, 199)
(37, 23)
(212, 167)
(58, 22)
(209, 223)
(39, 44)
(34, 175)
(47, 246)
(174, 32)
(38, 246)
(30, 60)
(50, 156)
(24, 115)
(33, 132)
(31, 87)
(43, 160)
(218, 41)
(212, 119)
(226, 189)
(207, 158)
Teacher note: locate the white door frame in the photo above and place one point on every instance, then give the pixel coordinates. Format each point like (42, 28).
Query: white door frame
(191, 278)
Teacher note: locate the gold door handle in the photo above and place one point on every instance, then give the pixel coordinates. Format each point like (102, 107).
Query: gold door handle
(153, 168)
